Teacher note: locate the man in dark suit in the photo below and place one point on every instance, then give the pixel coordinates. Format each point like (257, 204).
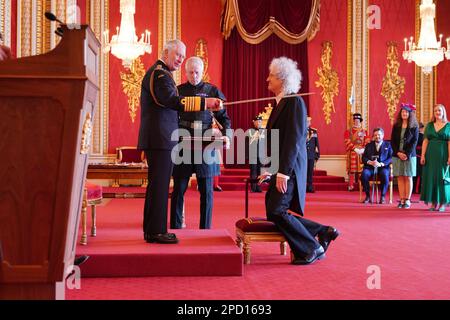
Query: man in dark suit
(287, 185)
(255, 143)
(204, 171)
(313, 151)
(377, 157)
(160, 104)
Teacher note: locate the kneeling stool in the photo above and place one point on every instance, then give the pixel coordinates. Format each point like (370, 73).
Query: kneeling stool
(256, 229)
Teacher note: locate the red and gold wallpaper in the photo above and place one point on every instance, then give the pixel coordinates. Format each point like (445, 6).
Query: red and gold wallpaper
(333, 27)
(397, 21)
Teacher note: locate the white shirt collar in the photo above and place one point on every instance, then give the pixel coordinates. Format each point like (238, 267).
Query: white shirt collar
(279, 97)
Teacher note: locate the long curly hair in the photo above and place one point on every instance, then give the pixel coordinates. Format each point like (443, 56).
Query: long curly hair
(412, 119)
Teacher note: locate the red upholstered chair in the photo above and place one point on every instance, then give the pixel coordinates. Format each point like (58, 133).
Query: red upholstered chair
(254, 229)
(130, 156)
(93, 195)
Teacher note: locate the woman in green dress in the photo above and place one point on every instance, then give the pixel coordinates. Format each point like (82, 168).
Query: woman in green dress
(435, 159)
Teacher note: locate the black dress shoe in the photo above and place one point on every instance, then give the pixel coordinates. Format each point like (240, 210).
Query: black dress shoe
(80, 260)
(317, 254)
(218, 189)
(329, 235)
(367, 200)
(382, 200)
(164, 238)
(148, 235)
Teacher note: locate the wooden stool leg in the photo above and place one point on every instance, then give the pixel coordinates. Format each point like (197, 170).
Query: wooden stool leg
(239, 243)
(247, 254)
(94, 221)
(83, 240)
(283, 248)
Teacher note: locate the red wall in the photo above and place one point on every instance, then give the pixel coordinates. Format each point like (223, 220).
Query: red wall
(14, 27)
(333, 27)
(201, 19)
(123, 132)
(443, 69)
(397, 22)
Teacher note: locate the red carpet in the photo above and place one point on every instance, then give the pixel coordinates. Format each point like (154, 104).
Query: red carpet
(233, 180)
(409, 246)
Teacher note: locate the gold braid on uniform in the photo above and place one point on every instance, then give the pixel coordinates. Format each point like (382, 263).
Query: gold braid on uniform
(192, 104)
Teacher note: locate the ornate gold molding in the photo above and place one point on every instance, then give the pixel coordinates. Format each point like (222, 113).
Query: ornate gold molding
(5, 22)
(425, 84)
(201, 51)
(328, 80)
(393, 84)
(131, 85)
(97, 15)
(231, 19)
(86, 134)
(169, 26)
(359, 60)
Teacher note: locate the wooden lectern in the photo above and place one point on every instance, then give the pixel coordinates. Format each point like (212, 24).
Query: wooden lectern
(47, 105)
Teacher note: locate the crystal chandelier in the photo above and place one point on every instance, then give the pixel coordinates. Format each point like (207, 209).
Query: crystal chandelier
(124, 44)
(429, 51)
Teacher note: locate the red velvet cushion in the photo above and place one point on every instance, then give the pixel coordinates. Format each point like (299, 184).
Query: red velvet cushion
(131, 155)
(94, 191)
(256, 224)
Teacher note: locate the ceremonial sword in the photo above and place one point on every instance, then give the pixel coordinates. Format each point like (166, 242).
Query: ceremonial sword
(265, 99)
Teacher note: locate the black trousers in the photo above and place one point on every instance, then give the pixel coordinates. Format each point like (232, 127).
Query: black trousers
(299, 232)
(383, 176)
(205, 187)
(255, 172)
(309, 176)
(155, 209)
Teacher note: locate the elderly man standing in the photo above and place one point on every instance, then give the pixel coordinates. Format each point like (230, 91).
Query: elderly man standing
(287, 186)
(204, 171)
(160, 104)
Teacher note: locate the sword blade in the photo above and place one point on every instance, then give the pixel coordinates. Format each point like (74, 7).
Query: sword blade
(266, 99)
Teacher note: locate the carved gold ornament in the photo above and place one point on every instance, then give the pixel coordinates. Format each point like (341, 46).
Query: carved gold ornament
(86, 134)
(131, 85)
(393, 84)
(201, 51)
(266, 115)
(328, 80)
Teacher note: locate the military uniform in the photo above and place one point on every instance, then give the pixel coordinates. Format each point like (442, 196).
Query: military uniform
(355, 138)
(205, 172)
(313, 151)
(160, 104)
(256, 141)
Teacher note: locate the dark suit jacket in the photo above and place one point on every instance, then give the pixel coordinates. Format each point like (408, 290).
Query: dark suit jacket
(409, 141)
(203, 89)
(371, 150)
(160, 104)
(289, 117)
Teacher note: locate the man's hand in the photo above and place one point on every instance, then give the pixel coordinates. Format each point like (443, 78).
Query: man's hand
(282, 184)
(422, 160)
(214, 104)
(264, 177)
(402, 156)
(227, 142)
(5, 53)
